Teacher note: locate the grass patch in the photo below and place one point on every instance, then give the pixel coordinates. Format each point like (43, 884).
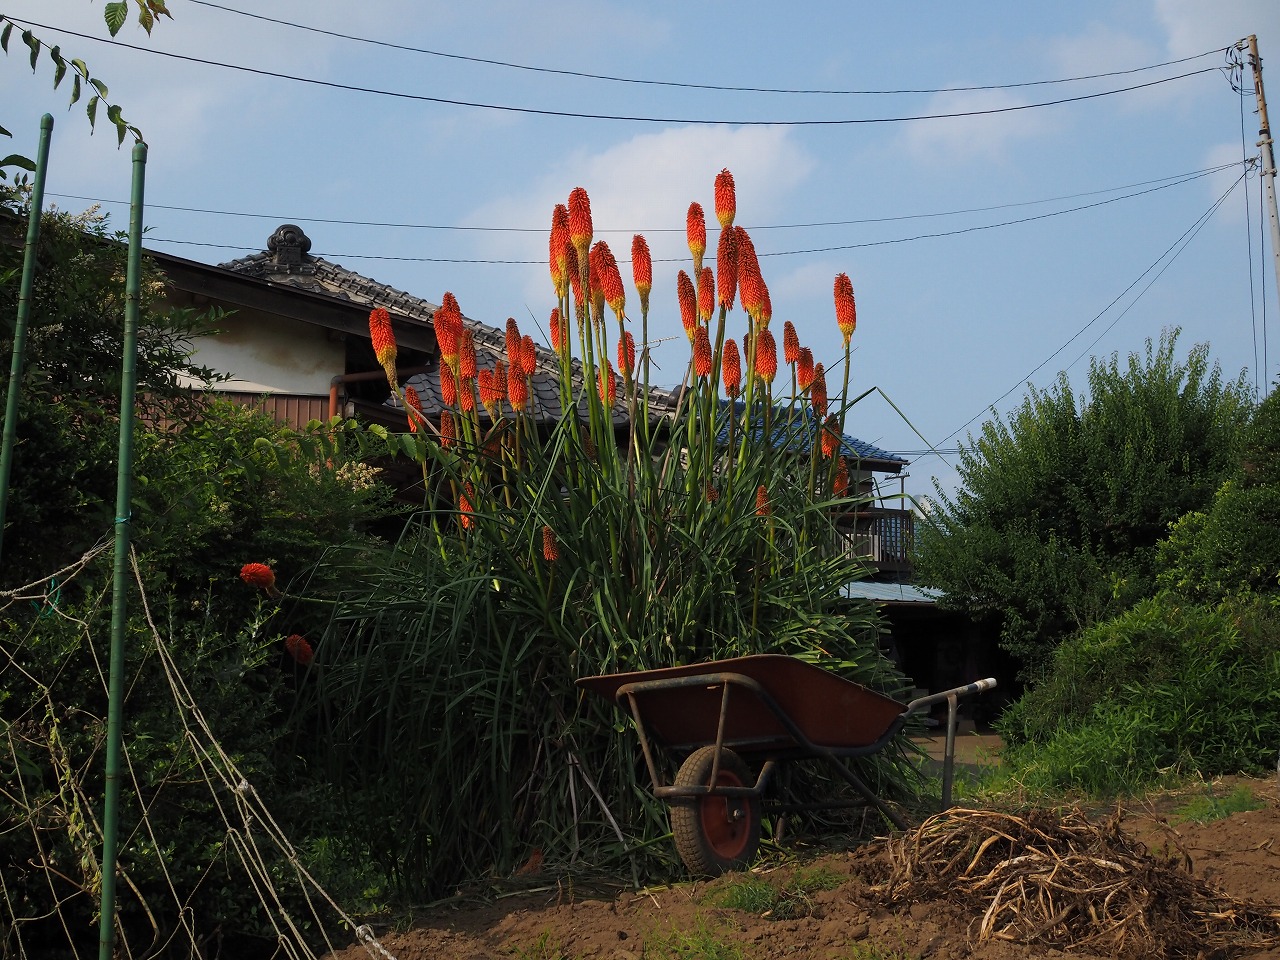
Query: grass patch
(544, 948)
(785, 901)
(1207, 808)
(700, 943)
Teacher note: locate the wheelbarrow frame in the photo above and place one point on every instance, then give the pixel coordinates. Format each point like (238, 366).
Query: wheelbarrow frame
(773, 735)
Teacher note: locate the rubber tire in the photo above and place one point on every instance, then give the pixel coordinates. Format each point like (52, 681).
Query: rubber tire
(715, 834)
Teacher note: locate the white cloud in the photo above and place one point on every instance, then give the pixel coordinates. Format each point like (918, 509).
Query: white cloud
(1195, 26)
(1098, 49)
(983, 137)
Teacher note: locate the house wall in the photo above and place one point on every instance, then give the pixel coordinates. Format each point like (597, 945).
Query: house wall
(271, 354)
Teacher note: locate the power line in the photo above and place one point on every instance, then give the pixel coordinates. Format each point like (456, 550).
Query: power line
(278, 218)
(1186, 235)
(688, 85)
(547, 112)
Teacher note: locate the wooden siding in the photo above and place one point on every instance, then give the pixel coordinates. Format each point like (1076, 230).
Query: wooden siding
(285, 408)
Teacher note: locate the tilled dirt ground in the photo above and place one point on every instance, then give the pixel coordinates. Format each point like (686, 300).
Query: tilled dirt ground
(839, 907)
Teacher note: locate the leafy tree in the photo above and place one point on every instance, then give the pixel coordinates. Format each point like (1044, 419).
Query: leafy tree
(1055, 523)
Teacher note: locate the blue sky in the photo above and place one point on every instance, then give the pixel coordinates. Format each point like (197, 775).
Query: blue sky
(947, 325)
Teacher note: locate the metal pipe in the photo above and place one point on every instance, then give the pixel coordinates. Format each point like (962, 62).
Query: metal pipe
(24, 312)
(119, 595)
(366, 375)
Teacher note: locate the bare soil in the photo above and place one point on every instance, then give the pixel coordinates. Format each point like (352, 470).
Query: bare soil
(859, 916)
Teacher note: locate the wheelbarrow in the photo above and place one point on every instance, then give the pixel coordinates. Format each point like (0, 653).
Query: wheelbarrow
(769, 709)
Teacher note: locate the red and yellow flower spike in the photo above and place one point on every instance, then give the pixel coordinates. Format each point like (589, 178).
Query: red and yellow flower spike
(448, 430)
(467, 395)
(766, 355)
(642, 269)
(695, 228)
(556, 249)
(448, 387)
(608, 386)
(466, 506)
(517, 388)
(750, 281)
(296, 646)
(790, 343)
(727, 269)
(688, 304)
(413, 403)
(731, 369)
(513, 343)
(804, 369)
(605, 264)
(575, 281)
(499, 381)
(830, 436)
(726, 199)
(818, 392)
(701, 352)
(626, 354)
(840, 486)
(528, 356)
(559, 342)
(488, 395)
(384, 343)
(467, 356)
(846, 309)
(580, 222)
(706, 294)
(550, 546)
(448, 327)
(763, 507)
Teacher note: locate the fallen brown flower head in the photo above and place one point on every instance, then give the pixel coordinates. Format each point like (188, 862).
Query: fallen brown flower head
(1065, 882)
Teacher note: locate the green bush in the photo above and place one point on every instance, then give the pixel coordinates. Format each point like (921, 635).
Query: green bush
(1167, 686)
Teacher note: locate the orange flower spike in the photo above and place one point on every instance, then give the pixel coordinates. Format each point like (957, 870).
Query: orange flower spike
(608, 385)
(688, 304)
(448, 430)
(448, 387)
(258, 575)
(726, 199)
(766, 355)
(517, 389)
(467, 395)
(642, 269)
(713, 495)
(575, 280)
(550, 546)
(414, 404)
(466, 506)
(528, 356)
(706, 294)
(701, 352)
(731, 368)
(580, 222)
(804, 368)
(556, 245)
(696, 231)
(296, 646)
(488, 398)
(513, 343)
(384, 342)
(448, 327)
(750, 281)
(766, 306)
(846, 309)
(790, 343)
(499, 381)
(840, 487)
(558, 339)
(610, 279)
(763, 507)
(467, 356)
(830, 436)
(626, 354)
(818, 392)
(727, 268)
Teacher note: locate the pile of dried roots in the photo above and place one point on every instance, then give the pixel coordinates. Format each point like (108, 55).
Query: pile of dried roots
(1062, 881)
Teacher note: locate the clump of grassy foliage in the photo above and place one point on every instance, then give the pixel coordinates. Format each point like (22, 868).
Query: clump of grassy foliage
(1208, 807)
(778, 901)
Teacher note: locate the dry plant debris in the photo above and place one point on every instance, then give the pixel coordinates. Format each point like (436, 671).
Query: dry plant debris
(1065, 882)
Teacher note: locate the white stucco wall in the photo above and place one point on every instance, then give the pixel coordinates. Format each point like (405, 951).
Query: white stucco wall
(272, 355)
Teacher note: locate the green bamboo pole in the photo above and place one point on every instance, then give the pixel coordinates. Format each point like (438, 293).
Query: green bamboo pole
(119, 597)
(24, 312)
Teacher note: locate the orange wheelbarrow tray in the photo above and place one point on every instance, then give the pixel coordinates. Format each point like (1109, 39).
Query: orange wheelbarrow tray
(772, 709)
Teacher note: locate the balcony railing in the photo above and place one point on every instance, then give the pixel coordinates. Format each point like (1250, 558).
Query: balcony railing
(882, 536)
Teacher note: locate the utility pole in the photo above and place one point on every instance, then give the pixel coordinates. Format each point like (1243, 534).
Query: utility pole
(1266, 153)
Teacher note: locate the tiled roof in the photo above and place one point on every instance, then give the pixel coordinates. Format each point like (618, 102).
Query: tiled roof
(798, 436)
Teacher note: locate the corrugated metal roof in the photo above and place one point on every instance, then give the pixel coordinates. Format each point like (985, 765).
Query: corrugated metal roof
(891, 592)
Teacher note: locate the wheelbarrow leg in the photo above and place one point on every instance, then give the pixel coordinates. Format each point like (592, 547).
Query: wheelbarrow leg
(868, 794)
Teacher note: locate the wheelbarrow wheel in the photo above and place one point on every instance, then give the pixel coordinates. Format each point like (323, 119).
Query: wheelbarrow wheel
(714, 834)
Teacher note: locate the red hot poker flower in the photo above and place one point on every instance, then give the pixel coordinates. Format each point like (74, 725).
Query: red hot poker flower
(701, 352)
(488, 396)
(610, 278)
(299, 649)
(414, 404)
(830, 436)
(766, 355)
(467, 356)
(727, 268)
(696, 231)
(608, 385)
(556, 245)
(517, 389)
(688, 304)
(731, 368)
(448, 430)
(763, 508)
(626, 354)
(804, 368)
(790, 343)
(841, 485)
(558, 339)
(466, 506)
(528, 356)
(550, 546)
(448, 326)
(384, 342)
(499, 381)
(448, 387)
(726, 199)
(513, 343)
(750, 282)
(580, 222)
(642, 269)
(818, 392)
(706, 294)
(846, 309)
